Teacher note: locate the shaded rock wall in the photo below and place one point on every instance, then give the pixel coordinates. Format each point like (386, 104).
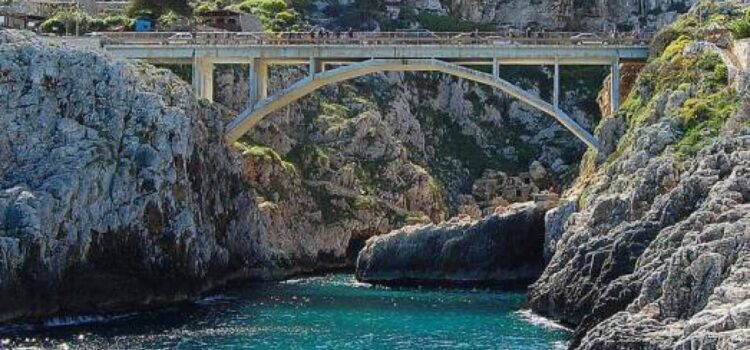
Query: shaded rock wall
(116, 189)
(502, 249)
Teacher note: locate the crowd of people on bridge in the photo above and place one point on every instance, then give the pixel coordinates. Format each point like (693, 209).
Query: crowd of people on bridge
(321, 33)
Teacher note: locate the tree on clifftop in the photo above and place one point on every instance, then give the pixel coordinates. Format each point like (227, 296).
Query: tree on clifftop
(159, 7)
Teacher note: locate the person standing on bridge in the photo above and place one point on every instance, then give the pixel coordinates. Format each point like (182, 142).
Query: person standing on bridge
(350, 33)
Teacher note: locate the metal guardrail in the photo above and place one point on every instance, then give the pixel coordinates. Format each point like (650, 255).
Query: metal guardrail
(371, 38)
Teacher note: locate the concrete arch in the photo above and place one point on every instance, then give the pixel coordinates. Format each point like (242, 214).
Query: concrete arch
(253, 115)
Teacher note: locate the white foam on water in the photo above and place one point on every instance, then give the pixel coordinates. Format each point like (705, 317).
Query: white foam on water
(357, 284)
(215, 299)
(302, 280)
(530, 317)
(81, 320)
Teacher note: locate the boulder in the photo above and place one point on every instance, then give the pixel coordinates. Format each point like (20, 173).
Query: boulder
(502, 249)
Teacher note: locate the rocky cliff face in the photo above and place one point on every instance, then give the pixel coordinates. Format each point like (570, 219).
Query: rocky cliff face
(656, 257)
(502, 249)
(587, 15)
(116, 189)
(354, 161)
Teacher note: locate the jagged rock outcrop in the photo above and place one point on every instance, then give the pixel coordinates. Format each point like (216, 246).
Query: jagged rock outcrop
(116, 189)
(501, 249)
(555, 224)
(563, 14)
(656, 257)
(351, 162)
(437, 139)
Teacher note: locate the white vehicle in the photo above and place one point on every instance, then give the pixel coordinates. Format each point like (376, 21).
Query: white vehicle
(499, 40)
(587, 39)
(180, 38)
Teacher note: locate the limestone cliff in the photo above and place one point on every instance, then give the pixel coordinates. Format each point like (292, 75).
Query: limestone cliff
(366, 157)
(581, 15)
(656, 256)
(503, 249)
(116, 189)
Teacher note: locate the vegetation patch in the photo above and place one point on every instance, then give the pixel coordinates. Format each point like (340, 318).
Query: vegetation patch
(267, 155)
(702, 76)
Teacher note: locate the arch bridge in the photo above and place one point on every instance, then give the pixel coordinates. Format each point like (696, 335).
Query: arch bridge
(331, 59)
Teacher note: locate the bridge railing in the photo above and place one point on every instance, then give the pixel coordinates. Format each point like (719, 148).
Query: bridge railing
(374, 38)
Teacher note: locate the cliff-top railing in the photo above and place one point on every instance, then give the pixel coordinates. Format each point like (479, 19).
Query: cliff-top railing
(375, 38)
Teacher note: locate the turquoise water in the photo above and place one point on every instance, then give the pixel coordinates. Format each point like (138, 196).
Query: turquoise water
(332, 312)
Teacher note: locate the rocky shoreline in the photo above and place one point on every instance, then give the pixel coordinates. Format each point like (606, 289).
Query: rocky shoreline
(503, 250)
(117, 193)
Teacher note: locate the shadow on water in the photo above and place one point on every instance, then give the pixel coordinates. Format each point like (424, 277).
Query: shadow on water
(329, 312)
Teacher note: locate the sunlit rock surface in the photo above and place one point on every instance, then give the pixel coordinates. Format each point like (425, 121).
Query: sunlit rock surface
(563, 14)
(116, 188)
(656, 256)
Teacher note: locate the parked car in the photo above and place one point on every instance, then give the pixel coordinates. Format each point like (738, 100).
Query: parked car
(501, 40)
(466, 38)
(587, 39)
(180, 38)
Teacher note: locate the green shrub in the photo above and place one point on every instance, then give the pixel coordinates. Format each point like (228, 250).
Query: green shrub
(275, 15)
(52, 25)
(675, 47)
(740, 27)
(168, 19)
(265, 6)
(155, 8)
(721, 74)
(63, 20)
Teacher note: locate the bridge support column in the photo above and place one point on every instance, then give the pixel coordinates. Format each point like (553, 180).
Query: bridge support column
(203, 77)
(315, 67)
(556, 94)
(496, 67)
(258, 80)
(615, 86)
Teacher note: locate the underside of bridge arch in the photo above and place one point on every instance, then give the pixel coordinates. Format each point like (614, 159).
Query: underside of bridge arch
(253, 115)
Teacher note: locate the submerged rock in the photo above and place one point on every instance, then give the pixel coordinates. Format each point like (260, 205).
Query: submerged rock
(502, 249)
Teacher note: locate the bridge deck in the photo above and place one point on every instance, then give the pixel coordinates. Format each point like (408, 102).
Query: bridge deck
(296, 48)
(365, 53)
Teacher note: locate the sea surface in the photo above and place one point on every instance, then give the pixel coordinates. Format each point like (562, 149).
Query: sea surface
(331, 312)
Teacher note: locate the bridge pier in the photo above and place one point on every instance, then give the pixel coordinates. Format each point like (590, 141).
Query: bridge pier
(615, 86)
(203, 77)
(496, 67)
(556, 92)
(258, 80)
(315, 66)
